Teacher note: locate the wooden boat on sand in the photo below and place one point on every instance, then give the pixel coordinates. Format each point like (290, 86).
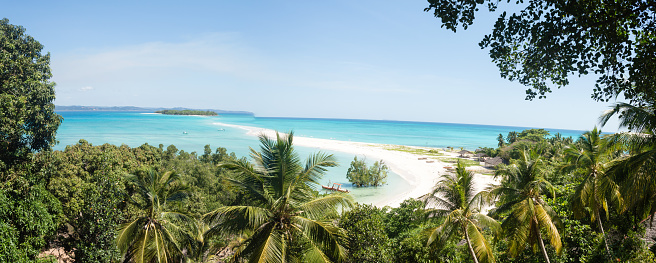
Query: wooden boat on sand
(335, 187)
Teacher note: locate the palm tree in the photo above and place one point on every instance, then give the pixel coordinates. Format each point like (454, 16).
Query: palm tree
(456, 201)
(157, 235)
(283, 208)
(501, 140)
(634, 172)
(512, 137)
(596, 190)
(520, 193)
(558, 145)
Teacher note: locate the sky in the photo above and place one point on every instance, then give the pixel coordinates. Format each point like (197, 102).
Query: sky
(379, 60)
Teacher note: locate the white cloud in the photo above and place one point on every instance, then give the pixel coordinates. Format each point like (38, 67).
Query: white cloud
(86, 88)
(216, 53)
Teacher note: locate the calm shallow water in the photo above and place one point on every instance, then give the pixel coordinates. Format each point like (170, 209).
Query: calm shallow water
(192, 133)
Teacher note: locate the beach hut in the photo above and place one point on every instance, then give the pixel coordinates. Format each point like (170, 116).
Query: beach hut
(463, 153)
(493, 161)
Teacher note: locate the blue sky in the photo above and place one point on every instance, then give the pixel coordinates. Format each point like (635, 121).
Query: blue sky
(383, 60)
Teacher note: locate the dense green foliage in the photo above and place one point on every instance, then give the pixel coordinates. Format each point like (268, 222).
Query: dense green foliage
(559, 200)
(543, 42)
(76, 199)
(156, 235)
(455, 200)
(540, 202)
(361, 175)
(288, 219)
(187, 112)
(520, 194)
(28, 122)
(367, 239)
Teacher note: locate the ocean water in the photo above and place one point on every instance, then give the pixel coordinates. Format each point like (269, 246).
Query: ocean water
(192, 133)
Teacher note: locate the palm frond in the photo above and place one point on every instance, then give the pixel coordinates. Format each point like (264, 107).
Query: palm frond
(435, 213)
(517, 227)
(315, 166)
(318, 207)
(128, 232)
(630, 116)
(237, 219)
(301, 187)
(325, 240)
(547, 223)
(437, 236)
(248, 179)
(265, 245)
(483, 220)
(482, 248)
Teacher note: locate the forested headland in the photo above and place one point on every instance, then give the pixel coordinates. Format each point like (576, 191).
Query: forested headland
(187, 112)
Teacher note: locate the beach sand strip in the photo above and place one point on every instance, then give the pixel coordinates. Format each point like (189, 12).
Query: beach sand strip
(420, 174)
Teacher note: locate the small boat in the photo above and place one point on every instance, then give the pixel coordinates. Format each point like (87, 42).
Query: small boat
(335, 187)
(184, 132)
(221, 129)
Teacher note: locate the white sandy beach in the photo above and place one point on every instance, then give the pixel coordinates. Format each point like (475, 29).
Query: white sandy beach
(420, 174)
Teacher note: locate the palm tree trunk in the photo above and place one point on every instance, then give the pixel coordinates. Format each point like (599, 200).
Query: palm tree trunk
(471, 250)
(603, 233)
(540, 241)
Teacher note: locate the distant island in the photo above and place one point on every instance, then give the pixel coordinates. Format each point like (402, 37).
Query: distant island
(141, 109)
(188, 112)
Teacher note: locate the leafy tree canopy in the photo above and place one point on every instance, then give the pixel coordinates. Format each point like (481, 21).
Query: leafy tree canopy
(367, 242)
(27, 118)
(361, 175)
(548, 41)
(535, 135)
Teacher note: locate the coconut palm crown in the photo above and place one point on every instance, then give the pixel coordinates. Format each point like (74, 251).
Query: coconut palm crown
(635, 172)
(589, 158)
(520, 194)
(282, 208)
(454, 199)
(157, 235)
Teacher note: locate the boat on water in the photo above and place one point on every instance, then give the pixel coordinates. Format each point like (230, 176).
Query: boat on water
(335, 187)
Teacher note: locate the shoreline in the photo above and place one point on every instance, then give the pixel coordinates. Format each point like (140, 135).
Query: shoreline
(420, 174)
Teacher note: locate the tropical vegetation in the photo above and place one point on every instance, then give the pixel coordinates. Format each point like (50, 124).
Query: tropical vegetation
(282, 217)
(521, 195)
(558, 199)
(156, 235)
(456, 201)
(362, 176)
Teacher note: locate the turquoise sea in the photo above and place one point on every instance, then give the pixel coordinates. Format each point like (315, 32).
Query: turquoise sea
(192, 133)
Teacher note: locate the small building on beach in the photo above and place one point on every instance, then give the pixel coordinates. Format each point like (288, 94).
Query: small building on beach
(464, 153)
(492, 162)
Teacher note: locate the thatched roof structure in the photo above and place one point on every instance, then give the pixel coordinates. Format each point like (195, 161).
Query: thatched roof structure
(493, 161)
(463, 152)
